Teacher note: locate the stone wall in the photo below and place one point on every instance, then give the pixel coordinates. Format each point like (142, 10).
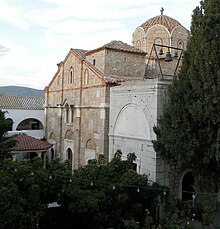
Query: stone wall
(85, 101)
(138, 39)
(97, 58)
(124, 64)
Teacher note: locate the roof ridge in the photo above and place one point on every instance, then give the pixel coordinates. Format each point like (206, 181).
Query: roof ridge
(119, 46)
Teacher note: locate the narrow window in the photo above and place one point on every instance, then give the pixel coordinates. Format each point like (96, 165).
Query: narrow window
(71, 75)
(67, 113)
(86, 77)
(94, 62)
(180, 44)
(138, 44)
(158, 42)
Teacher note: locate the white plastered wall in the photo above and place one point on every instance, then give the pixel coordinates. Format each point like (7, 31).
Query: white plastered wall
(133, 113)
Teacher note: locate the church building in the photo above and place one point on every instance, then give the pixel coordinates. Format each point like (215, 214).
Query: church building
(110, 98)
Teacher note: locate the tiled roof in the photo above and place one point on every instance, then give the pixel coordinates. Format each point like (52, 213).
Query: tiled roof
(80, 53)
(21, 102)
(164, 20)
(119, 46)
(27, 143)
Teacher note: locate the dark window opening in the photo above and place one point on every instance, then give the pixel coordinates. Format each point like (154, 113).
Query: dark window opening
(187, 187)
(30, 124)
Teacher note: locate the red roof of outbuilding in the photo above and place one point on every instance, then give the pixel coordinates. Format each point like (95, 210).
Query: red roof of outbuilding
(27, 143)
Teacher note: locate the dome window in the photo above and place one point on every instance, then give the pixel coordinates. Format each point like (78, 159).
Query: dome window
(138, 44)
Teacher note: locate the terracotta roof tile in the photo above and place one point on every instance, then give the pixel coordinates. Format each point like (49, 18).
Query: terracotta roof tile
(80, 53)
(21, 102)
(27, 143)
(164, 20)
(119, 46)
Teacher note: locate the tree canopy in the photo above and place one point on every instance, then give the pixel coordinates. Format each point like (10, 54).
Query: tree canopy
(189, 130)
(98, 195)
(5, 143)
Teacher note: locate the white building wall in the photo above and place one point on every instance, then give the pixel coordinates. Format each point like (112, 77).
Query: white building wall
(18, 115)
(133, 113)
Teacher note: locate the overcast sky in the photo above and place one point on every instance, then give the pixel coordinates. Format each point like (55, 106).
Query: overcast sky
(37, 34)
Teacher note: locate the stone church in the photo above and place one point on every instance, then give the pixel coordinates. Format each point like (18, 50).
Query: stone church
(110, 98)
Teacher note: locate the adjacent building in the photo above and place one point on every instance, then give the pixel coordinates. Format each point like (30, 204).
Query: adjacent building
(25, 113)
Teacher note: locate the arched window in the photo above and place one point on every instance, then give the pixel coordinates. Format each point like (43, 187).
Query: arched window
(67, 115)
(180, 44)
(90, 150)
(30, 124)
(70, 156)
(138, 44)
(10, 124)
(52, 153)
(158, 41)
(71, 75)
(86, 77)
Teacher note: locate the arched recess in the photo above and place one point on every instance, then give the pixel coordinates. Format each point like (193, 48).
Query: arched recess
(132, 122)
(70, 156)
(67, 115)
(30, 124)
(90, 150)
(158, 41)
(86, 77)
(69, 135)
(187, 186)
(52, 156)
(52, 136)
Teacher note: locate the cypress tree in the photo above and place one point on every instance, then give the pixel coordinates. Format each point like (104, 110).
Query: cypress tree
(188, 133)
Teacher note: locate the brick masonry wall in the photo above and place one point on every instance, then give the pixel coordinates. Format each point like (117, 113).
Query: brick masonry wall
(124, 64)
(99, 58)
(89, 112)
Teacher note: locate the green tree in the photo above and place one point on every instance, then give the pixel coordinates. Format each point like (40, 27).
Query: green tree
(188, 133)
(26, 189)
(102, 195)
(5, 143)
(22, 187)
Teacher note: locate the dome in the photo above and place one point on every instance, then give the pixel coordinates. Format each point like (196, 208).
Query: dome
(164, 20)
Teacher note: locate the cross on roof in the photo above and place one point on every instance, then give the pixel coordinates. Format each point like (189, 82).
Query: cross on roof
(161, 11)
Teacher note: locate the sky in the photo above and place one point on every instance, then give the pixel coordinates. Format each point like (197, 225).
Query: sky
(35, 35)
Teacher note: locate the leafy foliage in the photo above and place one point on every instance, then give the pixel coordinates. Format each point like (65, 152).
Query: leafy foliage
(99, 195)
(108, 195)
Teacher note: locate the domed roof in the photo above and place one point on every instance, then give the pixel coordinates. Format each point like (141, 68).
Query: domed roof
(164, 20)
